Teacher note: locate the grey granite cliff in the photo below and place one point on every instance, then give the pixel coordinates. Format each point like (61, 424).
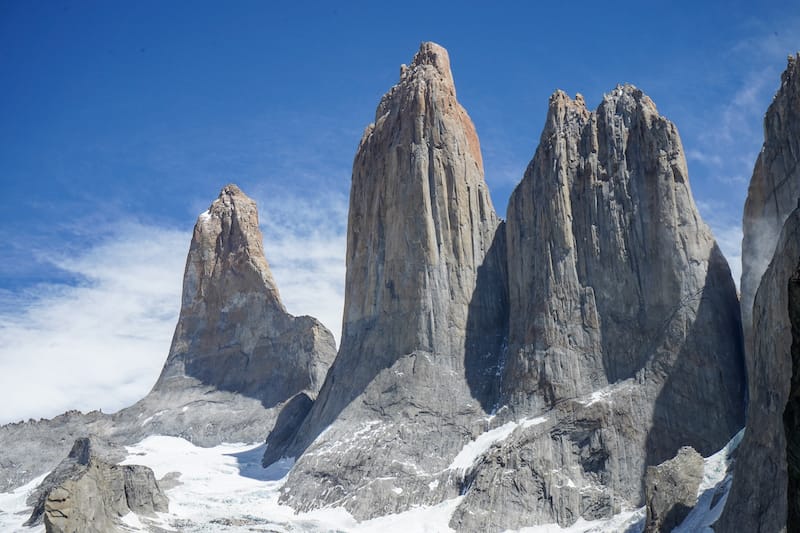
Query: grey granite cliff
(766, 482)
(625, 336)
(425, 310)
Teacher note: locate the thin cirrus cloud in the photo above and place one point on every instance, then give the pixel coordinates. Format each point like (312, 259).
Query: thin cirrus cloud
(101, 343)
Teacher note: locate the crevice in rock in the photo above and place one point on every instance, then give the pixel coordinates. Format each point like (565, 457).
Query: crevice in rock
(791, 414)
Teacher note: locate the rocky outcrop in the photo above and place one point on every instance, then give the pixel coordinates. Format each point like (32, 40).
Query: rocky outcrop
(624, 327)
(237, 357)
(758, 498)
(89, 492)
(774, 187)
(671, 490)
(425, 309)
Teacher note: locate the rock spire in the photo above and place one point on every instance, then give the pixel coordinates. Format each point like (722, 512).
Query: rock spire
(425, 305)
(624, 337)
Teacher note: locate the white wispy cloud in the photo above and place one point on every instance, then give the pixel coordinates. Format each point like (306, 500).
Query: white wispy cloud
(305, 241)
(100, 344)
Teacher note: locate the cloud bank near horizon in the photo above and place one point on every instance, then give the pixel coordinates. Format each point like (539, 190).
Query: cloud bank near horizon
(101, 343)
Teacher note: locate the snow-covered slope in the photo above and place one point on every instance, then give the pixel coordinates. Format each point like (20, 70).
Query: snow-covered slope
(224, 489)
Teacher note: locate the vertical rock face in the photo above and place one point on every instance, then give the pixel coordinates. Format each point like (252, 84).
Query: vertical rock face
(611, 269)
(625, 334)
(425, 307)
(758, 497)
(765, 474)
(774, 187)
(421, 223)
(233, 332)
(234, 338)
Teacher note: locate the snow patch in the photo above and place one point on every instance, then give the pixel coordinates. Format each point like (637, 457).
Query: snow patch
(597, 396)
(132, 520)
(474, 449)
(14, 511)
(716, 482)
(226, 484)
(530, 422)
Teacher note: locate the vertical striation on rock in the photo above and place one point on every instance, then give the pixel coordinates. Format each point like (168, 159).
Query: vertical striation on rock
(237, 355)
(624, 334)
(425, 308)
(774, 187)
(610, 268)
(421, 224)
(767, 469)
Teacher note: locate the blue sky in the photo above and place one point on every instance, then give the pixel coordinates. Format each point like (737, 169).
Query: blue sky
(122, 120)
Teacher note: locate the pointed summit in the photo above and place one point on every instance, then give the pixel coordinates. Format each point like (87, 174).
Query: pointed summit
(421, 335)
(433, 55)
(233, 329)
(624, 337)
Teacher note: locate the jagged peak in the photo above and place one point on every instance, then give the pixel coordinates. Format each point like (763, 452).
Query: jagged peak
(562, 109)
(229, 229)
(792, 63)
(561, 98)
(792, 69)
(629, 94)
(229, 197)
(432, 55)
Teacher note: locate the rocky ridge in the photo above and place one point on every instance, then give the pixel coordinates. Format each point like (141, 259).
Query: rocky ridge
(622, 313)
(671, 490)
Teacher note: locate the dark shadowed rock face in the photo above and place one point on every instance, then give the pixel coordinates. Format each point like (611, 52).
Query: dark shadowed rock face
(771, 246)
(624, 335)
(89, 492)
(758, 497)
(425, 309)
